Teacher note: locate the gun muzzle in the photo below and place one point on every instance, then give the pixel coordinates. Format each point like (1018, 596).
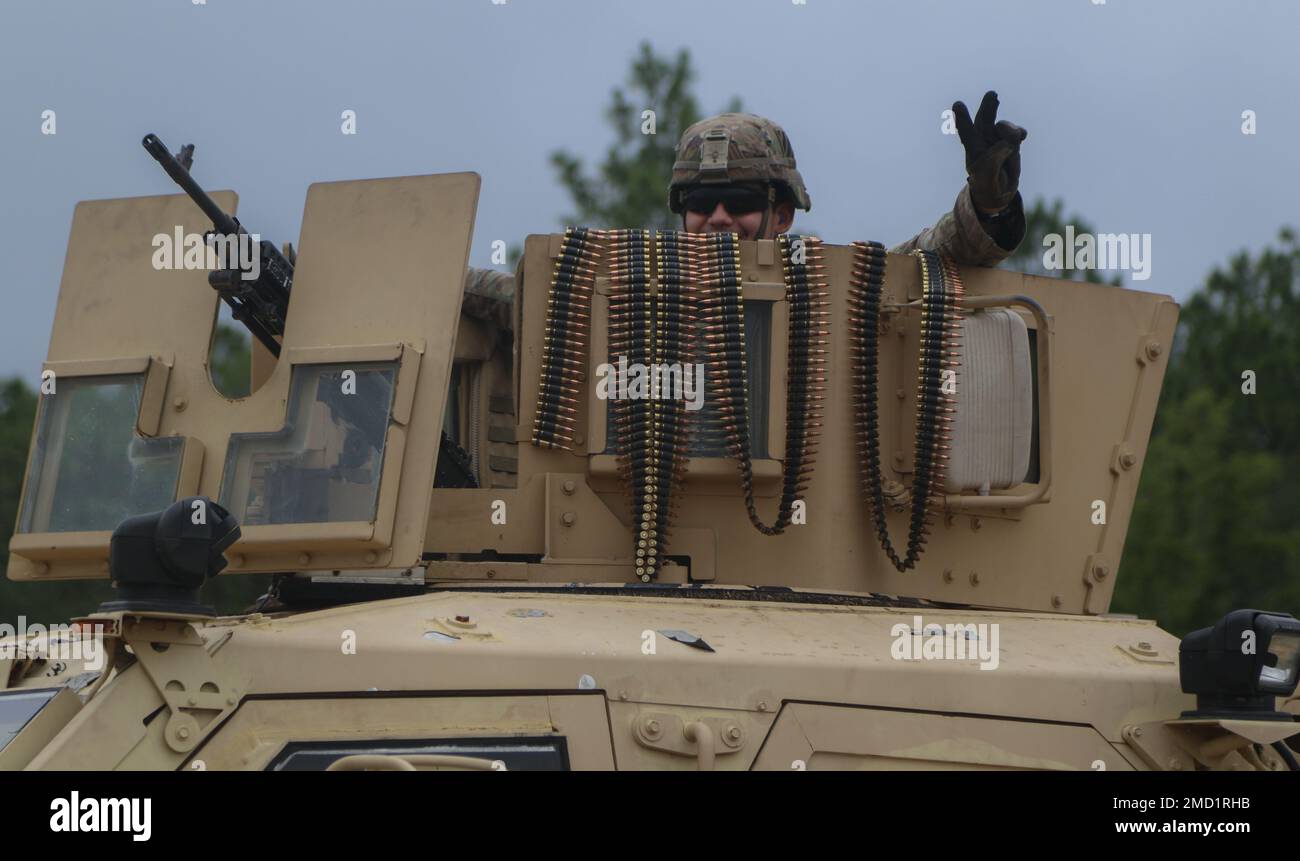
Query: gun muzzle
(221, 222)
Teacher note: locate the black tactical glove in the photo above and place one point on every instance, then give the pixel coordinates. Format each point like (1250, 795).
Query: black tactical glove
(992, 154)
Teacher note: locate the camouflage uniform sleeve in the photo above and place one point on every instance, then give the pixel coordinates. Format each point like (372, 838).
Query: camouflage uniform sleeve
(963, 237)
(489, 296)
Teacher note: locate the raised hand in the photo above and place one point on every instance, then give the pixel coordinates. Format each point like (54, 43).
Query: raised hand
(992, 154)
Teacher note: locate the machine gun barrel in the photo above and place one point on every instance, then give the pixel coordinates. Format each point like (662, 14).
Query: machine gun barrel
(221, 222)
(257, 298)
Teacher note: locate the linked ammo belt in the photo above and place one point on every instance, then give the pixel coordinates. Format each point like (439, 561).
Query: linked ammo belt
(564, 346)
(651, 329)
(941, 296)
(723, 308)
(653, 308)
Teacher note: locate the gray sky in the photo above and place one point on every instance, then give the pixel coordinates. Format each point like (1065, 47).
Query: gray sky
(1133, 110)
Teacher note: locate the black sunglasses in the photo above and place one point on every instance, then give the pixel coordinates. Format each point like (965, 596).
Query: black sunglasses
(736, 199)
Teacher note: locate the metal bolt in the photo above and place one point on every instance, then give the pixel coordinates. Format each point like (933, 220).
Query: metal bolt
(652, 727)
(462, 619)
(1137, 732)
(304, 558)
(901, 393)
(622, 695)
(569, 487)
(976, 524)
(568, 518)
(1144, 645)
(1100, 571)
(762, 706)
(183, 732)
(947, 575)
(193, 701)
(1057, 601)
(180, 404)
(491, 573)
(1154, 350)
(974, 578)
(1128, 460)
(734, 733)
(371, 557)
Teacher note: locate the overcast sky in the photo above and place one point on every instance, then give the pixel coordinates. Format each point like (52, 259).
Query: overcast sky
(1133, 110)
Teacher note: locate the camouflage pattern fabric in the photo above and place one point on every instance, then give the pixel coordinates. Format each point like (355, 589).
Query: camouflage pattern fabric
(731, 148)
(968, 241)
(489, 295)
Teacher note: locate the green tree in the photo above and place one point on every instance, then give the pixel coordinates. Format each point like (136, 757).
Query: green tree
(1045, 218)
(630, 187)
(17, 413)
(231, 361)
(1216, 525)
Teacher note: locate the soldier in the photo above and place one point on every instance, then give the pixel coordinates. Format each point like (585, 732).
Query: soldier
(736, 173)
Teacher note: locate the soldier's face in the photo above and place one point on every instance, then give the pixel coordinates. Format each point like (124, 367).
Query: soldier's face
(747, 225)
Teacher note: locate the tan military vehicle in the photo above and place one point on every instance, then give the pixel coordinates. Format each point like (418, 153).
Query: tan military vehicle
(726, 505)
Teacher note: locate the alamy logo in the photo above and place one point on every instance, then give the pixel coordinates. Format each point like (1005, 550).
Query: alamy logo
(181, 250)
(1084, 251)
(951, 642)
(52, 643)
(635, 381)
(132, 815)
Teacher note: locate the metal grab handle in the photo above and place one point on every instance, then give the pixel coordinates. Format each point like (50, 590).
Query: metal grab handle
(706, 746)
(414, 762)
(1021, 500)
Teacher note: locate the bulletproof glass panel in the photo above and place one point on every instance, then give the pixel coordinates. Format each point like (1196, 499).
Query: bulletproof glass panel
(518, 754)
(90, 470)
(17, 708)
(707, 438)
(324, 465)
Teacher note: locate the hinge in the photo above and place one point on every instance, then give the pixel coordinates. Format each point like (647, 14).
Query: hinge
(199, 691)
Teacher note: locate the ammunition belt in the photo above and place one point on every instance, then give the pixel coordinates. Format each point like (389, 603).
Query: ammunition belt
(564, 346)
(724, 341)
(651, 330)
(941, 296)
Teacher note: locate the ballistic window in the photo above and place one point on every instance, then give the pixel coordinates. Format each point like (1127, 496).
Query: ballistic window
(90, 470)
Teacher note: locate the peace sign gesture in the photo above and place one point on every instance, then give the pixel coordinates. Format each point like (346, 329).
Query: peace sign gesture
(992, 153)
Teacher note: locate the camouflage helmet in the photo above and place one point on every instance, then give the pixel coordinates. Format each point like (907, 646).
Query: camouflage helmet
(731, 148)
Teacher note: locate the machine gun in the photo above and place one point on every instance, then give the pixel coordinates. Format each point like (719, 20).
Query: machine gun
(260, 302)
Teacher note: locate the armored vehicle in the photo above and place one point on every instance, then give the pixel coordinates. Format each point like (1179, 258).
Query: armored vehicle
(722, 505)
